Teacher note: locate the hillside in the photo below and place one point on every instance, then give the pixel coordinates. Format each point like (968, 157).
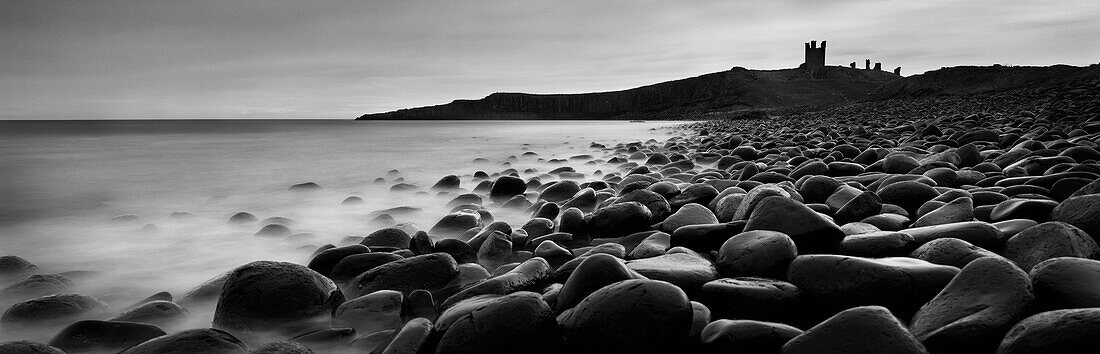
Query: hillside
(969, 80)
(736, 89)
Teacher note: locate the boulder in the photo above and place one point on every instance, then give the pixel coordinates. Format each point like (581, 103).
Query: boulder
(877, 244)
(204, 340)
(454, 224)
(103, 336)
(752, 298)
(746, 336)
(950, 251)
(275, 296)
(630, 316)
(1082, 212)
(620, 219)
(593, 272)
(387, 237)
(525, 276)
(560, 191)
(27, 347)
(976, 309)
(979, 233)
(759, 253)
(1066, 282)
(811, 231)
(688, 271)
(159, 313)
(865, 329)
(52, 310)
(432, 272)
(282, 347)
(519, 322)
(657, 204)
(1059, 331)
(834, 282)
(377, 311)
(907, 194)
(505, 187)
(1049, 240)
(958, 210)
(351, 266)
(688, 214)
(325, 261)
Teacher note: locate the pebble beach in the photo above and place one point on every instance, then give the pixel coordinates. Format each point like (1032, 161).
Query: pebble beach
(927, 225)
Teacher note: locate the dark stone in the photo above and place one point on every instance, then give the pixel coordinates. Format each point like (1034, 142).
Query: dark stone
(950, 251)
(759, 253)
(560, 191)
(325, 261)
(835, 282)
(520, 322)
(52, 310)
(877, 244)
(698, 193)
(631, 316)
(242, 218)
(460, 251)
(746, 336)
(412, 338)
(103, 336)
(505, 187)
(1017, 208)
(752, 298)
(979, 233)
(658, 207)
(36, 286)
(525, 276)
(454, 224)
(26, 347)
(351, 266)
(1082, 211)
(275, 296)
(326, 339)
(866, 329)
(282, 347)
(811, 232)
(305, 187)
(688, 271)
(432, 272)
(620, 219)
(205, 340)
(705, 237)
(377, 311)
(1049, 240)
(448, 182)
(976, 309)
(907, 194)
(864, 205)
(688, 214)
(159, 313)
(1066, 282)
(593, 272)
(387, 237)
(273, 230)
(1060, 331)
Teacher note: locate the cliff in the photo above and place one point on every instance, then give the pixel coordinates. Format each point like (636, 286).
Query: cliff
(736, 89)
(970, 80)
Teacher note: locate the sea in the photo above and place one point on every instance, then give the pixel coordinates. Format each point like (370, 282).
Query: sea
(129, 208)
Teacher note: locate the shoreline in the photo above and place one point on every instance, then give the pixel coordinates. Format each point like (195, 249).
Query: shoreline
(801, 232)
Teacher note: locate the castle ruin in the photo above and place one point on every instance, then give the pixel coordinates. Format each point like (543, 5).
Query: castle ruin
(815, 61)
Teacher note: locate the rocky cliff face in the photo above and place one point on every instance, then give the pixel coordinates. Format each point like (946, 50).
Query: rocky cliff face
(736, 89)
(969, 80)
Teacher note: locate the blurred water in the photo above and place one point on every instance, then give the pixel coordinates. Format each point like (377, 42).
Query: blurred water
(62, 181)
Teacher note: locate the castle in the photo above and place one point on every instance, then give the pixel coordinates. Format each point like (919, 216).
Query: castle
(815, 60)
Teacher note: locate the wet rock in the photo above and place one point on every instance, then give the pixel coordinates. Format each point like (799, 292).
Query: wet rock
(635, 316)
(705, 237)
(103, 336)
(282, 347)
(907, 194)
(36, 286)
(950, 251)
(698, 193)
(810, 231)
(505, 187)
(51, 310)
(460, 251)
(862, 206)
(351, 266)
(835, 282)
(654, 245)
(560, 191)
(275, 296)
(1060, 331)
(242, 218)
(1018, 208)
(1049, 240)
(688, 214)
(520, 322)
(525, 276)
(160, 313)
(659, 208)
(454, 224)
(1066, 282)
(866, 329)
(752, 298)
(26, 347)
(877, 244)
(273, 230)
(305, 187)
(448, 182)
(411, 338)
(377, 311)
(432, 272)
(887, 221)
(688, 271)
(1082, 212)
(746, 336)
(759, 253)
(755, 196)
(593, 272)
(387, 237)
(205, 340)
(620, 219)
(976, 309)
(979, 233)
(325, 261)
(958, 210)
(495, 251)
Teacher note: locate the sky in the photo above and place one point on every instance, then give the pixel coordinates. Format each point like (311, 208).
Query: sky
(151, 59)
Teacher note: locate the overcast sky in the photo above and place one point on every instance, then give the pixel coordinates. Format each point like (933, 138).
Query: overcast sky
(338, 59)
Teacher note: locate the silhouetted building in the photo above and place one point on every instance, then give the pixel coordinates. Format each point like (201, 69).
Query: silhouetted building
(897, 71)
(878, 66)
(853, 65)
(815, 57)
(867, 64)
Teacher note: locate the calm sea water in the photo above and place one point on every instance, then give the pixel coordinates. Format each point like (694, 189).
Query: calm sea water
(61, 183)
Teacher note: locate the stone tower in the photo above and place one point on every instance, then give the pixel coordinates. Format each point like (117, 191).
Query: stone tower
(815, 57)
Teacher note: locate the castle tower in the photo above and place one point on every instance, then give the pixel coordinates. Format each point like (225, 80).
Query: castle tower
(815, 57)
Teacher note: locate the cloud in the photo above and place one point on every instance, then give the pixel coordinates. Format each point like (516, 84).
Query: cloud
(338, 59)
